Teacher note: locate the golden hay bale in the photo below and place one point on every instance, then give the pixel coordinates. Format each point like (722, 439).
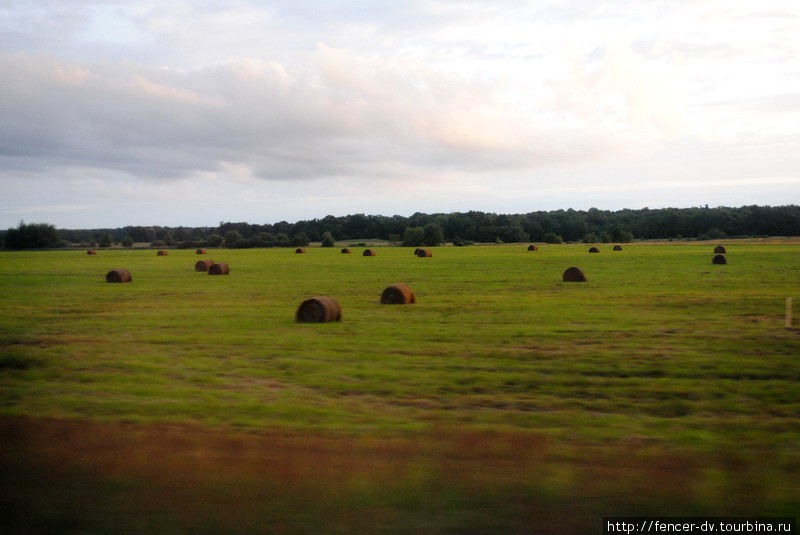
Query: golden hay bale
(416, 251)
(91, 251)
(318, 310)
(203, 265)
(300, 250)
(719, 259)
(424, 253)
(369, 252)
(573, 274)
(617, 247)
(119, 275)
(162, 253)
(594, 250)
(201, 251)
(220, 268)
(398, 294)
(346, 251)
(532, 247)
(719, 250)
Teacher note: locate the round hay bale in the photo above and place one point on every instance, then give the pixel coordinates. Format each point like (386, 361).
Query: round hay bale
(201, 251)
(220, 268)
(594, 250)
(162, 253)
(617, 247)
(416, 251)
(398, 294)
(203, 265)
(119, 275)
(719, 250)
(318, 310)
(424, 253)
(532, 248)
(719, 259)
(346, 251)
(369, 252)
(573, 274)
(91, 251)
(300, 250)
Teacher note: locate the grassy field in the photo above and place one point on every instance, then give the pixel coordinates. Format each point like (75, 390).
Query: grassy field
(504, 400)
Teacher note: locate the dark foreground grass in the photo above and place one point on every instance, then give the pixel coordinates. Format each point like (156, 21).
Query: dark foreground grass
(662, 367)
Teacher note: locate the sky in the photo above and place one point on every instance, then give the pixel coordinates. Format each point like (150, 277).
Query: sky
(116, 113)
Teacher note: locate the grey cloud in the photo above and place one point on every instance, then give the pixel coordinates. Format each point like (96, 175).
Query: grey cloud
(339, 116)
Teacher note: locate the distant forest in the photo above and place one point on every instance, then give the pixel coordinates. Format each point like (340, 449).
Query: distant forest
(460, 228)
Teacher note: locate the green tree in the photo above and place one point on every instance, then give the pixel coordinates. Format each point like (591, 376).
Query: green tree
(214, 240)
(621, 235)
(433, 234)
(591, 238)
(266, 239)
(552, 237)
(327, 239)
(127, 241)
(32, 236)
(231, 237)
(105, 240)
(414, 237)
(300, 239)
(282, 239)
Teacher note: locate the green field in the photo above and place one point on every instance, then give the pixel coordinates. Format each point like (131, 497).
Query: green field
(499, 402)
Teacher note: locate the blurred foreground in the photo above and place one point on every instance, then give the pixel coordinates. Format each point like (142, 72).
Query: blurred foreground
(93, 477)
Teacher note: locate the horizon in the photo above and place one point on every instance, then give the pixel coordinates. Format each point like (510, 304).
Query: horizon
(187, 114)
(318, 218)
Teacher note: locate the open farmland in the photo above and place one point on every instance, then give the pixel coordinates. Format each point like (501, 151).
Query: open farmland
(504, 400)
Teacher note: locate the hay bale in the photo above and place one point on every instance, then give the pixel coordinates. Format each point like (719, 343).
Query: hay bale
(203, 265)
(91, 251)
(532, 247)
(594, 250)
(424, 253)
(719, 250)
(162, 253)
(300, 250)
(318, 310)
(220, 268)
(346, 251)
(201, 251)
(398, 294)
(617, 247)
(119, 275)
(719, 259)
(369, 252)
(416, 251)
(573, 274)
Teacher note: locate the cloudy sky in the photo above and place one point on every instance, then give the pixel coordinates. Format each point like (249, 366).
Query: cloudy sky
(118, 113)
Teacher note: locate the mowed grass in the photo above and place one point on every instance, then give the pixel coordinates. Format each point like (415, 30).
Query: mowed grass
(503, 401)
(658, 343)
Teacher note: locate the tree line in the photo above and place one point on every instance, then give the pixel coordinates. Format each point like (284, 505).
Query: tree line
(460, 228)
